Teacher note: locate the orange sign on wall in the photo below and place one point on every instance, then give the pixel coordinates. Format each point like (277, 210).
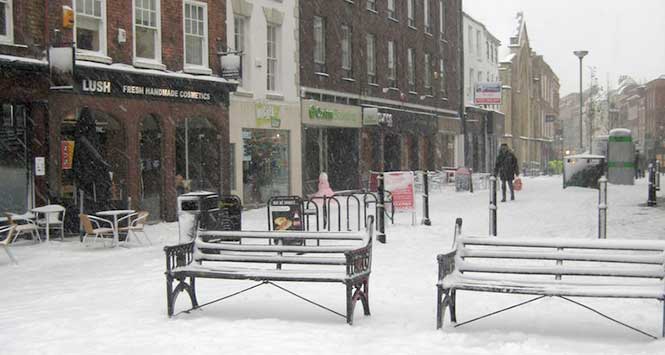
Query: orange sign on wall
(67, 154)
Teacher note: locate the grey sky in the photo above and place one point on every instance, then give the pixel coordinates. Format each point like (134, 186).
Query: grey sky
(623, 37)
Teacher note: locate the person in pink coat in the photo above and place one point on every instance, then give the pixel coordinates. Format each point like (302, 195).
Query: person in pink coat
(324, 187)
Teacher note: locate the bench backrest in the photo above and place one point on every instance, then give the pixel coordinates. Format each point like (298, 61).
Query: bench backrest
(280, 247)
(561, 257)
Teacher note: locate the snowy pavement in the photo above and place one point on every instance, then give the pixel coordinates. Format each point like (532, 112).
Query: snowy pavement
(64, 298)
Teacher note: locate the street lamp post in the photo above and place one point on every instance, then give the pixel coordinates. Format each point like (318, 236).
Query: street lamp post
(581, 55)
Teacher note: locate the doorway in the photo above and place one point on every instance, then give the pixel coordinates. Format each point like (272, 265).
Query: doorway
(151, 167)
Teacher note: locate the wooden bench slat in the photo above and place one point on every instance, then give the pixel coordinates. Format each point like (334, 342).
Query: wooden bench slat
(273, 259)
(563, 270)
(274, 248)
(637, 245)
(555, 288)
(656, 259)
(260, 274)
(290, 234)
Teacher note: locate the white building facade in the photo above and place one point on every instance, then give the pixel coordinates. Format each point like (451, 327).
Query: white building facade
(481, 63)
(264, 130)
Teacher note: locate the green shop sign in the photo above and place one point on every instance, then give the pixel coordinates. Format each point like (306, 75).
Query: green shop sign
(334, 115)
(268, 115)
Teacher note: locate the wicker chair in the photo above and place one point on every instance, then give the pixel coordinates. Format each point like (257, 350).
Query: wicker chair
(29, 226)
(103, 232)
(135, 224)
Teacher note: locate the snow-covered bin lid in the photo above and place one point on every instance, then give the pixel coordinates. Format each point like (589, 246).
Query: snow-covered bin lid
(584, 156)
(620, 132)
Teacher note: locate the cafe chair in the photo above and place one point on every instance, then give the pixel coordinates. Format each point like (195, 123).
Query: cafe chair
(56, 220)
(28, 226)
(135, 224)
(8, 233)
(96, 231)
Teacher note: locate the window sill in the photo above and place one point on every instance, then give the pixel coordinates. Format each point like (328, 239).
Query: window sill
(274, 96)
(12, 44)
(241, 93)
(373, 11)
(392, 88)
(197, 70)
(325, 75)
(149, 64)
(413, 27)
(349, 1)
(93, 57)
(442, 39)
(393, 19)
(429, 34)
(413, 93)
(351, 80)
(373, 85)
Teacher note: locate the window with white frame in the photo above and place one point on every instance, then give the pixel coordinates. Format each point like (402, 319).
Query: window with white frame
(478, 45)
(391, 9)
(196, 34)
(428, 24)
(392, 65)
(411, 67)
(411, 12)
(272, 57)
(6, 22)
(320, 44)
(442, 18)
(371, 5)
(147, 26)
(371, 58)
(91, 25)
(346, 49)
(470, 37)
(428, 74)
(239, 33)
(442, 77)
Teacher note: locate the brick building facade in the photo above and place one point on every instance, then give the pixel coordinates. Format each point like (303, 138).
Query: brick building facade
(380, 87)
(149, 73)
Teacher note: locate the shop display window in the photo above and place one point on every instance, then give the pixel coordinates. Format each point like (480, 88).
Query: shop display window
(265, 164)
(197, 156)
(14, 158)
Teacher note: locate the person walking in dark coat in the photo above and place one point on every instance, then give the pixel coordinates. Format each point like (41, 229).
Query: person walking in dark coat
(506, 168)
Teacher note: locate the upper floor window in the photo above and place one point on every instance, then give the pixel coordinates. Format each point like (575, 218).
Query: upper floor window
(371, 59)
(346, 49)
(147, 27)
(470, 37)
(320, 44)
(411, 12)
(442, 18)
(272, 58)
(391, 9)
(91, 25)
(6, 22)
(392, 64)
(428, 74)
(442, 77)
(196, 36)
(478, 44)
(411, 67)
(428, 24)
(371, 5)
(239, 33)
(487, 49)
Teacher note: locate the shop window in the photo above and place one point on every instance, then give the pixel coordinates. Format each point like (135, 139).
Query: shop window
(91, 25)
(265, 164)
(147, 30)
(14, 158)
(272, 57)
(6, 22)
(197, 155)
(150, 185)
(347, 50)
(196, 37)
(371, 59)
(392, 65)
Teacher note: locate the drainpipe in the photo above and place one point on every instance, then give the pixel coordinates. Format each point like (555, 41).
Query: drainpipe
(460, 78)
(46, 25)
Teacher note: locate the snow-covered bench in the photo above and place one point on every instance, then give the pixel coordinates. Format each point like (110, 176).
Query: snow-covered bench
(551, 267)
(269, 257)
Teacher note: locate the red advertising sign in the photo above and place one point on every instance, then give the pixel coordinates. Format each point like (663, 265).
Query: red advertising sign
(67, 154)
(400, 184)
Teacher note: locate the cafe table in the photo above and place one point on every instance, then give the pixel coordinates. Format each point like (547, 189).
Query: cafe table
(115, 214)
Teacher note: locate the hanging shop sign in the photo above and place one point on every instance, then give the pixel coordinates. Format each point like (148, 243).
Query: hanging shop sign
(142, 86)
(40, 166)
(268, 115)
(400, 184)
(67, 154)
(329, 114)
(372, 117)
(488, 94)
(61, 67)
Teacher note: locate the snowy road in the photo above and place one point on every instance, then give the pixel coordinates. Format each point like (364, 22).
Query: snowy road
(67, 299)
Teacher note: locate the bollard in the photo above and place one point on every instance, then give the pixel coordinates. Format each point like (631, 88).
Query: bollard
(493, 206)
(426, 221)
(651, 200)
(380, 211)
(602, 208)
(470, 180)
(657, 175)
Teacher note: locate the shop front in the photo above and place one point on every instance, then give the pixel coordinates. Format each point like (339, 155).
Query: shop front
(137, 139)
(265, 144)
(331, 141)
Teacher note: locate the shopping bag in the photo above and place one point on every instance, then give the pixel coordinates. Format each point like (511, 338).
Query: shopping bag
(517, 184)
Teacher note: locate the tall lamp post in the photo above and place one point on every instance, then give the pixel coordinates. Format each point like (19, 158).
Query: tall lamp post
(581, 55)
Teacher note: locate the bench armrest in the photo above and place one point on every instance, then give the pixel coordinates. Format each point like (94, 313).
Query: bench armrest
(446, 264)
(179, 255)
(359, 261)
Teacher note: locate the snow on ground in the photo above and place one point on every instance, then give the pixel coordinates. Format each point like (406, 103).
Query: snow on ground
(64, 298)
